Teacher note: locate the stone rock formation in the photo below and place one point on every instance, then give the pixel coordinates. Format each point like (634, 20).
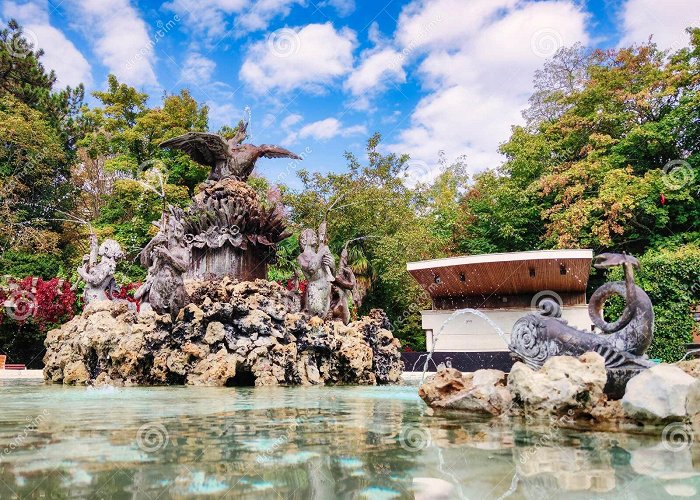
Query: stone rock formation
(229, 334)
(659, 393)
(563, 383)
(572, 390)
(483, 391)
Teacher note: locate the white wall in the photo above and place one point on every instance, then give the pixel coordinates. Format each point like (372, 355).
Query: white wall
(471, 333)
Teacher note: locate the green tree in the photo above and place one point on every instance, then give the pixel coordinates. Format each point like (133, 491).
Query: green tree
(371, 206)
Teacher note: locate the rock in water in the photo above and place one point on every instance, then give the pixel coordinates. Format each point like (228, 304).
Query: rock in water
(483, 391)
(659, 393)
(230, 334)
(563, 383)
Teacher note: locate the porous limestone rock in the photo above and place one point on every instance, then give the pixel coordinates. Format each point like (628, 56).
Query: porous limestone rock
(563, 383)
(483, 391)
(692, 400)
(659, 393)
(690, 366)
(230, 334)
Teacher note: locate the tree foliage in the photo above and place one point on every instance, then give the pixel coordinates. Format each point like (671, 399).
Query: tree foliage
(608, 159)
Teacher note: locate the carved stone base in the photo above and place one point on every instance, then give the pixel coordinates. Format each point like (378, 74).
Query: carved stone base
(244, 265)
(231, 233)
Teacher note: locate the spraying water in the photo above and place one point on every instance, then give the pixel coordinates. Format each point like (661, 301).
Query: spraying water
(457, 314)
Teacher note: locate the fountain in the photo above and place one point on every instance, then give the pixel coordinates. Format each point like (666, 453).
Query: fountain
(207, 315)
(454, 315)
(538, 337)
(230, 232)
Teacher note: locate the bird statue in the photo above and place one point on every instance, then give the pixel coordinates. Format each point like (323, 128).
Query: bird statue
(227, 158)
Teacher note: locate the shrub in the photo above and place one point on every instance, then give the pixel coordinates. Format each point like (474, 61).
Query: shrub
(671, 278)
(30, 307)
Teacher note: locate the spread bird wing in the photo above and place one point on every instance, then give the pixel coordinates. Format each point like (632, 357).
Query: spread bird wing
(271, 151)
(204, 148)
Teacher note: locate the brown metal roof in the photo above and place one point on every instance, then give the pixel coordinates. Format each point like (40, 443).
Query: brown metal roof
(505, 273)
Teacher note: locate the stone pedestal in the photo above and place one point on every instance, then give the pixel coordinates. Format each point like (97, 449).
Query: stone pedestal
(231, 233)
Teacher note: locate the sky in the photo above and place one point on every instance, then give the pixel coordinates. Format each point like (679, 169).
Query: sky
(319, 77)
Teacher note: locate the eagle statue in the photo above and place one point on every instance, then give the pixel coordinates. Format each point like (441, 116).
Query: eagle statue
(227, 158)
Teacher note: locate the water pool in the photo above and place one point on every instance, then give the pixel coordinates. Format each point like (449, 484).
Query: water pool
(318, 442)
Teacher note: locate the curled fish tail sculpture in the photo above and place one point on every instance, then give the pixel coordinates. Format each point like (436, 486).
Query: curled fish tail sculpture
(538, 336)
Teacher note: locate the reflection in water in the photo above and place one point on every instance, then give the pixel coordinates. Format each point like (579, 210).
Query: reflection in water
(318, 443)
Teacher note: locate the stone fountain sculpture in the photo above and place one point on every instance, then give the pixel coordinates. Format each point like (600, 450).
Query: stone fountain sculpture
(317, 264)
(622, 343)
(232, 328)
(166, 256)
(99, 276)
(227, 158)
(231, 232)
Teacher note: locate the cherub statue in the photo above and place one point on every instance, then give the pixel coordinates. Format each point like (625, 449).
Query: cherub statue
(167, 257)
(99, 276)
(343, 288)
(315, 263)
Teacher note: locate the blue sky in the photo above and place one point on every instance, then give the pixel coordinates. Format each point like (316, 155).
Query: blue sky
(320, 76)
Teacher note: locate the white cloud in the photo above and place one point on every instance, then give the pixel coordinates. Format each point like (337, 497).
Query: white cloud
(259, 14)
(342, 7)
(197, 69)
(119, 37)
(215, 20)
(291, 120)
(666, 21)
(376, 71)
(306, 58)
(324, 130)
(477, 61)
(60, 54)
(222, 114)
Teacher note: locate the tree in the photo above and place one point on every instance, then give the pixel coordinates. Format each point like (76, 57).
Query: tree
(371, 207)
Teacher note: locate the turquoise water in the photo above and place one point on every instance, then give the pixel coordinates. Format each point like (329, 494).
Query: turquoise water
(318, 443)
